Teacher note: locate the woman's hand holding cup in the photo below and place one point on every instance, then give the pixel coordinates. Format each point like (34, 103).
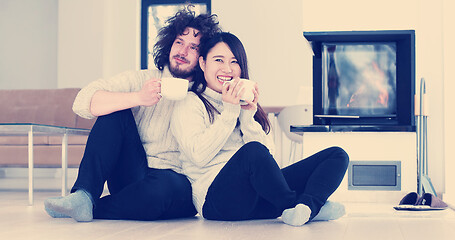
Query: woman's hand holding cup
(232, 91)
(241, 91)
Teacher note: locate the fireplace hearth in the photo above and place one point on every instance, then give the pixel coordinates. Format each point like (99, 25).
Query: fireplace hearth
(363, 79)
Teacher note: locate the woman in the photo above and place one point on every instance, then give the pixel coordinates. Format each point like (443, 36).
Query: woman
(225, 154)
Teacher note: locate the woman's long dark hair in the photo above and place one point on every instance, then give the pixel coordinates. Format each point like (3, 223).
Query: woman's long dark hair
(200, 84)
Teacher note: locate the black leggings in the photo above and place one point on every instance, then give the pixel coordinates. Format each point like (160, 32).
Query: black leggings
(114, 153)
(252, 186)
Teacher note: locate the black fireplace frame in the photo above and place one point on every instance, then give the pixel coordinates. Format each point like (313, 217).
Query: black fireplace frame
(405, 79)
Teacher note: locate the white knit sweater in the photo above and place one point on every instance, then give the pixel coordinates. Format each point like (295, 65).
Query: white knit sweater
(205, 147)
(152, 122)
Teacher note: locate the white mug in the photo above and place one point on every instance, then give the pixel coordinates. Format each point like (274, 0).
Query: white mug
(174, 88)
(248, 94)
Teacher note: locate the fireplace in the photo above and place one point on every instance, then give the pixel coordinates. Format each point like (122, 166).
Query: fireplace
(363, 78)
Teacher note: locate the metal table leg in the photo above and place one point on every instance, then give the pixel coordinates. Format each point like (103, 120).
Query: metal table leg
(30, 166)
(64, 163)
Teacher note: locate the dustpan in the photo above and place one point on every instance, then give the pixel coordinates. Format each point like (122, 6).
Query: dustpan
(426, 197)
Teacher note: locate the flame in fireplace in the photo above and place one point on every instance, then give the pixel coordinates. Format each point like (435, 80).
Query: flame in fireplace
(373, 92)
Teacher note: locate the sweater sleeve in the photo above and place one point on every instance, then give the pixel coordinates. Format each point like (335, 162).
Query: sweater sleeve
(125, 82)
(252, 130)
(198, 139)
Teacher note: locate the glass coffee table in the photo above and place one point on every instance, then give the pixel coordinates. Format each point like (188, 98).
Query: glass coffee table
(30, 130)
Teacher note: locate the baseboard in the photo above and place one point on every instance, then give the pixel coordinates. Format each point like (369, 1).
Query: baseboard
(366, 196)
(449, 199)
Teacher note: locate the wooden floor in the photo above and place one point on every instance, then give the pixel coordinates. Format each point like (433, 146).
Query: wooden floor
(363, 222)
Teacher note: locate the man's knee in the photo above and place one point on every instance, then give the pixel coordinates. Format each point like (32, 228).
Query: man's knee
(123, 119)
(119, 115)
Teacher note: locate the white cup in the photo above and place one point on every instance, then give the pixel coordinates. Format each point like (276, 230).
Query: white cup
(248, 94)
(174, 88)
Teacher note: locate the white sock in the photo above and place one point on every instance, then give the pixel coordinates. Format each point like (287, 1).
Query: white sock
(330, 211)
(296, 216)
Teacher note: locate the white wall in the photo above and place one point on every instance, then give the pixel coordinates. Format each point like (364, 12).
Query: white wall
(430, 64)
(97, 39)
(449, 98)
(121, 36)
(28, 44)
(80, 45)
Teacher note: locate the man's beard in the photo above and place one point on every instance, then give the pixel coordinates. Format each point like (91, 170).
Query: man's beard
(180, 73)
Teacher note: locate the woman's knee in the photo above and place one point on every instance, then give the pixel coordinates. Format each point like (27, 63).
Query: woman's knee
(255, 147)
(254, 151)
(340, 155)
(253, 155)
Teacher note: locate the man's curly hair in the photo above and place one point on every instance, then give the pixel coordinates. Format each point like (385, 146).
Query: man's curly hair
(176, 25)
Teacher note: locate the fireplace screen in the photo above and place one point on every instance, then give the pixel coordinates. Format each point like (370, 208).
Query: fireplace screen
(359, 79)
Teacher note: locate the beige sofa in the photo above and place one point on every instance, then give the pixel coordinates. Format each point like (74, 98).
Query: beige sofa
(41, 106)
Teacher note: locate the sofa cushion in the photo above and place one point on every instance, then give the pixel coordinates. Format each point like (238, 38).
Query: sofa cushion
(41, 106)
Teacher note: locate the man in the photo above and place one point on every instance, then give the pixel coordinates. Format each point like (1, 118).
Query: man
(130, 146)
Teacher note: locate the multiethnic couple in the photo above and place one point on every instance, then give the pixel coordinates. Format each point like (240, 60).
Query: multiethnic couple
(207, 154)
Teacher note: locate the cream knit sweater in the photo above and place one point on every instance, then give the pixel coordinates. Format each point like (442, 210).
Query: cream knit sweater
(152, 122)
(205, 147)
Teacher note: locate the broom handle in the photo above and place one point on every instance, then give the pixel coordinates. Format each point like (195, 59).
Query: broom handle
(421, 136)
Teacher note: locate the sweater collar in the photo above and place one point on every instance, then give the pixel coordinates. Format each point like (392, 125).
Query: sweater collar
(213, 96)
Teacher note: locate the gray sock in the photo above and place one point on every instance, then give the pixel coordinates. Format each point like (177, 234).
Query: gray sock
(296, 216)
(330, 211)
(77, 205)
(53, 213)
